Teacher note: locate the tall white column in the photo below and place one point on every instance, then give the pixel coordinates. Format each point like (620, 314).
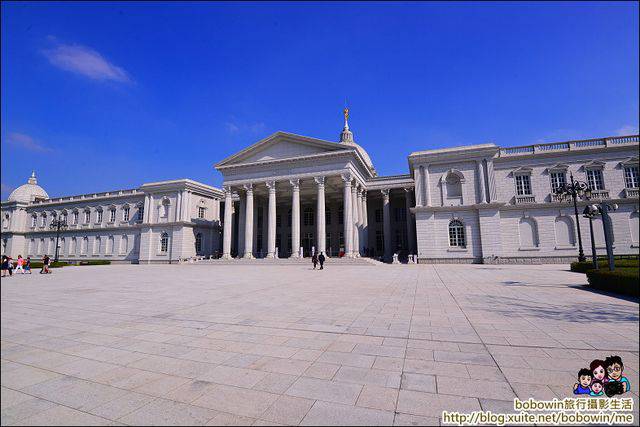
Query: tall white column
(228, 223)
(410, 232)
(178, 212)
(365, 221)
(295, 218)
(360, 222)
(248, 222)
(271, 232)
(386, 225)
(321, 232)
(147, 208)
(481, 188)
(242, 208)
(417, 178)
(427, 185)
(356, 219)
(348, 217)
(186, 210)
(492, 181)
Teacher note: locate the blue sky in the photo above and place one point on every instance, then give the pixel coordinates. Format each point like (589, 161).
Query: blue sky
(104, 96)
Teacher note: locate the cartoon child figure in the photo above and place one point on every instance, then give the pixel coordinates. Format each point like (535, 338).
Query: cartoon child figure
(584, 381)
(596, 388)
(614, 367)
(598, 370)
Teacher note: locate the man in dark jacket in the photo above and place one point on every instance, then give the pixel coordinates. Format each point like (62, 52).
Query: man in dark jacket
(314, 260)
(321, 258)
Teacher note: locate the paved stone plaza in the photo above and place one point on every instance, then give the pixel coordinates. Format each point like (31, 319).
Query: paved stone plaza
(265, 345)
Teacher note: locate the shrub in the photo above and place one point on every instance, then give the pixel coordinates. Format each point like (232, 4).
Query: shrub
(621, 280)
(583, 267)
(95, 262)
(38, 264)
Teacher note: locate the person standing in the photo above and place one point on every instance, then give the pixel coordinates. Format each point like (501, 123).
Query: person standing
(19, 265)
(45, 265)
(10, 265)
(314, 260)
(321, 258)
(5, 265)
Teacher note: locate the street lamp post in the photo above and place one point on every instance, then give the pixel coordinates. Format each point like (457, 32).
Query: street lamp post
(590, 212)
(608, 232)
(57, 224)
(574, 190)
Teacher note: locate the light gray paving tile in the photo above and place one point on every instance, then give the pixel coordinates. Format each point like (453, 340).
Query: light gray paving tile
(475, 388)
(238, 401)
(60, 415)
(169, 412)
(348, 359)
(288, 410)
(325, 413)
(431, 405)
(419, 382)
(376, 397)
(313, 388)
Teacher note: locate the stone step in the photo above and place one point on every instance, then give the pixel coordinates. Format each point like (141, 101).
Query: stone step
(284, 261)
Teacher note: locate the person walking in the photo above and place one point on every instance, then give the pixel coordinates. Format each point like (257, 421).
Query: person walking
(10, 265)
(321, 258)
(19, 265)
(314, 260)
(27, 265)
(45, 265)
(5, 265)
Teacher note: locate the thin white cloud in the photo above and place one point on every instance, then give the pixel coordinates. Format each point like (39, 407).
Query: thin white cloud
(85, 61)
(627, 130)
(235, 127)
(26, 142)
(232, 127)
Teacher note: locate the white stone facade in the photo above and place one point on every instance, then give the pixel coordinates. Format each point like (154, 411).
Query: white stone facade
(289, 196)
(121, 226)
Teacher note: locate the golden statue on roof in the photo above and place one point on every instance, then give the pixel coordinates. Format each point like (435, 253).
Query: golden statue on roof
(346, 114)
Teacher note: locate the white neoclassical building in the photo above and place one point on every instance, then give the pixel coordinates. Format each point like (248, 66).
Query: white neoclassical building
(290, 195)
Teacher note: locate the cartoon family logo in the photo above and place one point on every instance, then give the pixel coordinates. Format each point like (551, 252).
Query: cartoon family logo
(602, 377)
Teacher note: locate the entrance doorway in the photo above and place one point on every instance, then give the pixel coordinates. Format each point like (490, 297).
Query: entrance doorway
(307, 242)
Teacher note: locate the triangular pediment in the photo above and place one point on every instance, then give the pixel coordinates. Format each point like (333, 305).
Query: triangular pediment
(280, 146)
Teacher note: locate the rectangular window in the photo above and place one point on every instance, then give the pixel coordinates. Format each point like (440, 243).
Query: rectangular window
(558, 179)
(72, 246)
(631, 176)
(200, 212)
(34, 221)
(112, 215)
(87, 217)
(125, 214)
(140, 213)
(595, 179)
(523, 185)
(75, 218)
(99, 217)
(43, 221)
(96, 245)
(41, 247)
(85, 246)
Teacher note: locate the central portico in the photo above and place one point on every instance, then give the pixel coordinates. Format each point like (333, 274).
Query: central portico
(292, 195)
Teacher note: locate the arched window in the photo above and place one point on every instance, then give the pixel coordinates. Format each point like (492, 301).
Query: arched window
(454, 186)
(72, 246)
(564, 231)
(198, 243)
(34, 220)
(528, 231)
(6, 221)
(124, 244)
(164, 210)
(456, 234)
(109, 249)
(164, 242)
(85, 245)
(96, 245)
(308, 216)
(62, 244)
(43, 220)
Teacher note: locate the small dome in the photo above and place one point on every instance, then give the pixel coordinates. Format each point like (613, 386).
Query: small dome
(28, 192)
(346, 138)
